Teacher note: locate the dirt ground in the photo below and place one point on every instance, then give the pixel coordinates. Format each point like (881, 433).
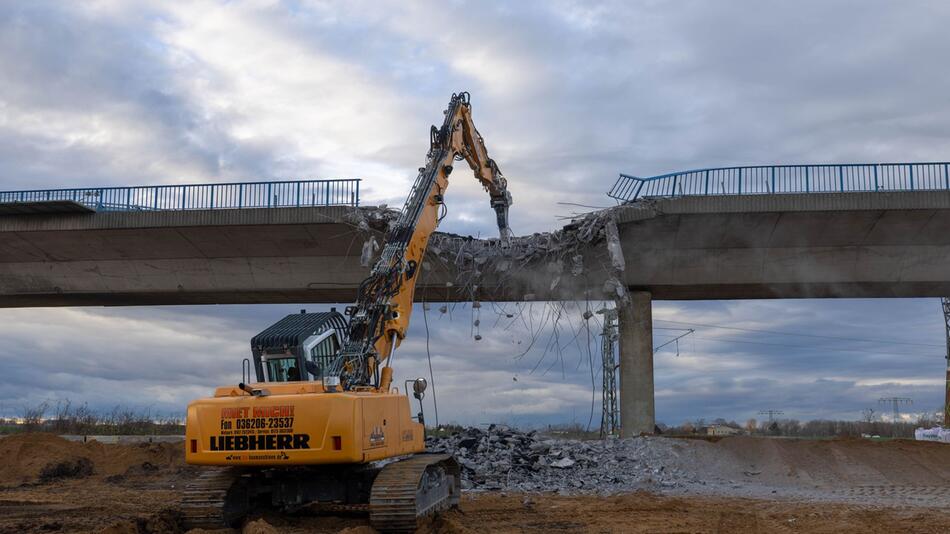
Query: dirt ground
(46, 486)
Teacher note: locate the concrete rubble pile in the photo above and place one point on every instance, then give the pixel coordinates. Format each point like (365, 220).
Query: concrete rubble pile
(501, 458)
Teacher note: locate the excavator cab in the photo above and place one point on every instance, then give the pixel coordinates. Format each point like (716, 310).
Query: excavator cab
(299, 347)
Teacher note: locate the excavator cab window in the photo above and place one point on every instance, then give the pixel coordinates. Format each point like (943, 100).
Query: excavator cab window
(323, 353)
(282, 369)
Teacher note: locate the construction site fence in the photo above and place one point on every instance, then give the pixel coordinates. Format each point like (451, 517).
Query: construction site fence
(299, 193)
(779, 179)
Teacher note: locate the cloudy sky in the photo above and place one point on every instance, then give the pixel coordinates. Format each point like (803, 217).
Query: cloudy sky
(567, 95)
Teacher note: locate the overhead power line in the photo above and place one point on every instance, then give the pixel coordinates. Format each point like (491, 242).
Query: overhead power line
(798, 334)
(806, 347)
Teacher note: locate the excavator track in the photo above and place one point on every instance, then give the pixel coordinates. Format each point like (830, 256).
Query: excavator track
(408, 490)
(216, 499)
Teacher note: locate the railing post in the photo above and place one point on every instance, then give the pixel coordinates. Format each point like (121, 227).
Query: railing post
(298, 194)
(807, 180)
(155, 197)
(241, 196)
(675, 181)
(773, 179)
(212, 197)
(358, 193)
(840, 179)
(707, 182)
(128, 198)
(875, 177)
(946, 178)
(740, 180)
(184, 196)
(328, 194)
(269, 197)
(910, 168)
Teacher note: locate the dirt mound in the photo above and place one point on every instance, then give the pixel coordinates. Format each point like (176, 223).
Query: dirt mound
(35, 457)
(833, 463)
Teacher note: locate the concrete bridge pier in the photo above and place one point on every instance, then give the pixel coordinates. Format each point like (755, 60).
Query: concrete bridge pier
(637, 413)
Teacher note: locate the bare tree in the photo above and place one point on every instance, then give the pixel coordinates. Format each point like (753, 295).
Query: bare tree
(33, 416)
(751, 425)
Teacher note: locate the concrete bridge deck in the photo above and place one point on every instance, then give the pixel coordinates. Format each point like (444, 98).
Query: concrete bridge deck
(730, 247)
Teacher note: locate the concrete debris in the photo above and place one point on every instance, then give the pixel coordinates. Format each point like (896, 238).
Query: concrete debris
(504, 458)
(615, 289)
(613, 246)
(369, 251)
(577, 264)
(371, 218)
(591, 240)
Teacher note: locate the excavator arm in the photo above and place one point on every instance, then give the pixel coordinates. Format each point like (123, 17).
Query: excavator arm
(380, 318)
(486, 170)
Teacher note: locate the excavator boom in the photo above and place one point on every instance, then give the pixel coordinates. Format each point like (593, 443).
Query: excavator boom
(380, 318)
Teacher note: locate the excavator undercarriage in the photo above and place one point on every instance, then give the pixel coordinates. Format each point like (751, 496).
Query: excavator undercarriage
(397, 495)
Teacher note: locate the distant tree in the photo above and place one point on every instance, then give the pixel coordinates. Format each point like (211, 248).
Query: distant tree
(751, 425)
(867, 415)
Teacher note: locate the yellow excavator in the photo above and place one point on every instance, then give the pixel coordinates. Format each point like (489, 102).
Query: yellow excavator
(323, 426)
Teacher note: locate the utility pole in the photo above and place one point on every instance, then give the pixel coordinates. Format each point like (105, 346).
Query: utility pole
(771, 414)
(610, 412)
(945, 303)
(896, 402)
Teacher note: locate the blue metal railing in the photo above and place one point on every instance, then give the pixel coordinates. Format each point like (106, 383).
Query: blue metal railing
(303, 193)
(778, 179)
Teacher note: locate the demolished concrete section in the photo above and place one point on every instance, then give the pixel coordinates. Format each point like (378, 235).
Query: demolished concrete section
(582, 260)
